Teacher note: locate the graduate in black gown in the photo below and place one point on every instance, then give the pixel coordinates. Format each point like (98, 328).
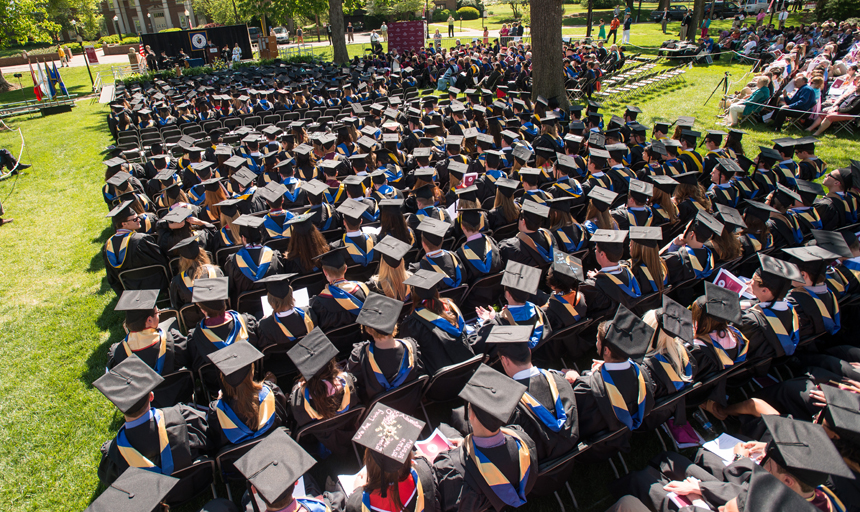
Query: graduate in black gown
(127, 250)
(494, 466)
(193, 263)
(323, 391)
(816, 305)
(533, 245)
(358, 244)
(636, 212)
(547, 410)
(722, 189)
(617, 392)
(180, 223)
(613, 283)
(384, 363)
(324, 215)
(397, 478)
(288, 323)
(252, 262)
(566, 305)
(246, 408)
(139, 442)
(435, 257)
(687, 257)
(138, 490)
(341, 300)
(275, 223)
(479, 254)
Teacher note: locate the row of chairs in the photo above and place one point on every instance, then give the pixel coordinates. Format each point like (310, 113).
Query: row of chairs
(622, 92)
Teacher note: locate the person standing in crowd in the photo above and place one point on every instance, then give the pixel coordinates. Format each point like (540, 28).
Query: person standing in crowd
(328, 33)
(686, 21)
(383, 31)
(665, 20)
(783, 16)
(628, 21)
(237, 53)
(350, 36)
(613, 28)
(450, 25)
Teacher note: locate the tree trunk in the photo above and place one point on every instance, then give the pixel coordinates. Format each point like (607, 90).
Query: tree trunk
(698, 16)
(335, 19)
(547, 74)
(6, 86)
(588, 19)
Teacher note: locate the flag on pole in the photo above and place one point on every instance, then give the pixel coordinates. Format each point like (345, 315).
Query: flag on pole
(36, 89)
(59, 79)
(43, 84)
(50, 82)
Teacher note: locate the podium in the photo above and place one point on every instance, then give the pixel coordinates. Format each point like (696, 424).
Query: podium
(269, 47)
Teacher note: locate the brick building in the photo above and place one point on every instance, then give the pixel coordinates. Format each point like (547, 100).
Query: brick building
(149, 16)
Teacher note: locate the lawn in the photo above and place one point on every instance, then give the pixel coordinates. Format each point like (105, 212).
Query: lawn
(76, 79)
(58, 317)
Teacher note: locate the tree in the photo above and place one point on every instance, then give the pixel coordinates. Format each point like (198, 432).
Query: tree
(335, 19)
(400, 9)
(547, 75)
(276, 12)
(223, 12)
(589, 18)
(22, 21)
(698, 16)
(516, 6)
(86, 14)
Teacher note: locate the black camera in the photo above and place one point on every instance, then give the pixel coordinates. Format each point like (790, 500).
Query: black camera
(17, 75)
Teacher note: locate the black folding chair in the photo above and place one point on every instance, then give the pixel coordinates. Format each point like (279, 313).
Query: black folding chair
(193, 482)
(345, 337)
(347, 421)
(227, 458)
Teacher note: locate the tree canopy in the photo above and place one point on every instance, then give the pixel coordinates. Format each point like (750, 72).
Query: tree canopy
(25, 20)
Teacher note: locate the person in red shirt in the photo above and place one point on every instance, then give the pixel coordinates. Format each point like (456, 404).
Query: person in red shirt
(613, 29)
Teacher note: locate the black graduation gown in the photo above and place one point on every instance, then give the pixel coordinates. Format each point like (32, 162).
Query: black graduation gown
(678, 266)
(168, 238)
(515, 249)
(269, 331)
(502, 318)
(187, 433)
(438, 347)
(664, 387)
(763, 340)
(726, 196)
(448, 262)
(281, 228)
(478, 246)
(239, 282)
(437, 213)
(496, 219)
(836, 211)
(389, 361)
(603, 296)
(180, 295)
(595, 410)
(785, 231)
(572, 238)
(688, 209)
(811, 168)
(811, 319)
(641, 217)
(549, 444)
(339, 442)
(362, 243)
(217, 438)
(330, 313)
(559, 316)
(201, 347)
(324, 217)
(428, 484)
(462, 488)
(141, 251)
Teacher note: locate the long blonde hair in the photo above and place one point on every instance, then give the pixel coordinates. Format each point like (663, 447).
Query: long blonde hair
(665, 201)
(508, 207)
(227, 221)
(197, 265)
(245, 399)
(650, 257)
(670, 347)
(602, 218)
(391, 279)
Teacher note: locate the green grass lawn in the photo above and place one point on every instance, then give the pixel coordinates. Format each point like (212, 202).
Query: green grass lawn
(76, 79)
(58, 317)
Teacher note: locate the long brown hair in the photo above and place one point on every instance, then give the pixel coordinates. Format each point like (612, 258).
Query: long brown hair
(602, 218)
(324, 404)
(212, 199)
(436, 305)
(755, 226)
(665, 201)
(391, 279)
(706, 324)
(559, 219)
(304, 247)
(438, 196)
(510, 209)
(394, 224)
(650, 257)
(245, 399)
(696, 192)
(195, 266)
(727, 245)
(388, 484)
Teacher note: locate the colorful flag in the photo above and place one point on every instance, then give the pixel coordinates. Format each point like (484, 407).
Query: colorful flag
(51, 91)
(36, 90)
(59, 79)
(43, 84)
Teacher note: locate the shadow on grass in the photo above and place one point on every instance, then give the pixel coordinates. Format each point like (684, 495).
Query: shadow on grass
(97, 263)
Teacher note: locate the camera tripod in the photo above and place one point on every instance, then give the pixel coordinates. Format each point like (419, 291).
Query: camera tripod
(724, 82)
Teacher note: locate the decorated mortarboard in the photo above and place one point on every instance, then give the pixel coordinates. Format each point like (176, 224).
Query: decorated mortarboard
(278, 285)
(648, 236)
(380, 313)
(833, 242)
(389, 435)
(804, 450)
(128, 383)
(521, 277)
(312, 353)
(602, 198)
(609, 236)
(493, 396)
(235, 361)
(568, 265)
(135, 490)
(274, 465)
(628, 334)
(352, 209)
(729, 215)
(676, 320)
(721, 303)
(640, 190)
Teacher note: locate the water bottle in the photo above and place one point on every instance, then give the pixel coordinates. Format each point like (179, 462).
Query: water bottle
(702, 419)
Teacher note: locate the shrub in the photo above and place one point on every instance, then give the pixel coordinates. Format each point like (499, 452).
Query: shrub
(468, 13)
(175, 29)
(606, 4)
(839, 10)
(440, 16)
(130, 40)
(114, 39)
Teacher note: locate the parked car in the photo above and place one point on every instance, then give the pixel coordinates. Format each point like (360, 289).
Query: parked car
(282, 35)
(754, 6)
(254, 32)
(722, 10)
(676, 13)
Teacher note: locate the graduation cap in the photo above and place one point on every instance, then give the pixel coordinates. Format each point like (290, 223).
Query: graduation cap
(784, 145)
(685, 121)
(493, 396)
(805, 144)
(128, 383)
(690, 136)
(705, 225)
(249, 225)
(352, 209)
(812, 258)
(809, 190)
(730, 216)
(275, 464)
(665, 183)
(715, 136)
(602, 198)
(598, 156)
(522, 154)
(135, 490)
(628, 334)
(433, 230)
(609, 236)
(115, 162)
(521, 277)
(392, 249)
(535, 210)
(658, 147)
(177, 215)
(510, 334)
(235, 162)
(688, 178)
(137, 304)
(334, 258)
(244, 177)
(759, 210)
(229, 207)
(833, 242)
(188, 248)
(676, 320)
(567, 265)
(804, 450)
(641, 191)
(661, 126)
(210, 290)
(118, 179)
(312, 353)
(423, 282)
(648, 236)
(507, 186)
(597, 140)
(777, 274)
(273, 192)
(389, 435)
(121, 211)
(843, 413)
(728, 167)
(393, 205)
(235, 361)
(786, 196)
(768, 154)
(314, 187)
(721, 303)
(380, 313)
(278, 285)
